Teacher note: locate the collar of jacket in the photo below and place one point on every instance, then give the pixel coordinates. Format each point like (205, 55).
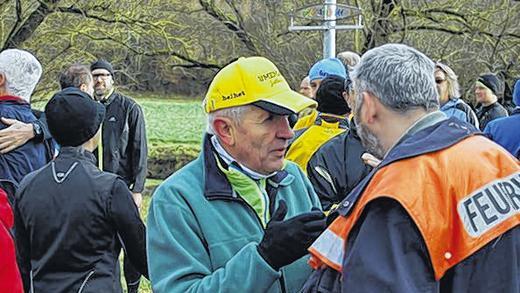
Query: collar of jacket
(423, 138)
(8, 98)
(77, 153)
(111, 96)
(450, 103)
(216, 185)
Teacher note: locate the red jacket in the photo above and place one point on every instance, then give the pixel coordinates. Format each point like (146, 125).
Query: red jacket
(10, 281)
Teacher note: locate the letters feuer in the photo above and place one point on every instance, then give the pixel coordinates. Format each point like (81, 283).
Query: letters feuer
(490, 205)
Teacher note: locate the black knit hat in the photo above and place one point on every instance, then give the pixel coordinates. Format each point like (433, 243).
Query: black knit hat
(102, 64)
(73, 117)
(330, 96)
(492, 82)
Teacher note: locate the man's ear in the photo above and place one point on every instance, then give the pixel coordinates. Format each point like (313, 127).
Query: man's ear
(225, 130)
(83, 87)
(369, 109)
(2, 79)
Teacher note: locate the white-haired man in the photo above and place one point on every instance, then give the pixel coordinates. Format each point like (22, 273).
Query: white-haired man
(19, 74)
(239, 218)
(440, 213)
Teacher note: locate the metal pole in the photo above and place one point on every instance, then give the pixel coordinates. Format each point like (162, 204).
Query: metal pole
(329, 36)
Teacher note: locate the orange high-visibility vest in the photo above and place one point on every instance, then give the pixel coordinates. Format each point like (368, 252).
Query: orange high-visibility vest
(460, 198)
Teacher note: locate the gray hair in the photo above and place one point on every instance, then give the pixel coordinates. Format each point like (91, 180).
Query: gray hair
(401, 77)
(451, 79)
(22, 71)
(234, 113)
(349, 59)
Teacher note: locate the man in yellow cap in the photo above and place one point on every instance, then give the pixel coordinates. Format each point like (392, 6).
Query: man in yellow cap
(239, 218)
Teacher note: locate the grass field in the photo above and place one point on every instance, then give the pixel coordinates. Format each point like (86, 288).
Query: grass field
(169, 122)
(173, 121)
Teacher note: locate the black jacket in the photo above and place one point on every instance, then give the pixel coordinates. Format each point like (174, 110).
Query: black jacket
(485, 114)
(336, 167)
(124, 141)
(70, 222)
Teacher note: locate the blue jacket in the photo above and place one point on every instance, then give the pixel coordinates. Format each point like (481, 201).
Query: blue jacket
(459, 109)
(202, 236)
(27, 158)
(386, 250)
(505, 132)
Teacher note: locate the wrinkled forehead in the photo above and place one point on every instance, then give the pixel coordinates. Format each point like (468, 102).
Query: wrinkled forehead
(100, 71)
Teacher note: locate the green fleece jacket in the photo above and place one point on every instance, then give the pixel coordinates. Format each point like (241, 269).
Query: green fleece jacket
(202, 236)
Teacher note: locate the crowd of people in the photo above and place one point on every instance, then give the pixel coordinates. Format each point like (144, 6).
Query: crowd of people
(374, 177)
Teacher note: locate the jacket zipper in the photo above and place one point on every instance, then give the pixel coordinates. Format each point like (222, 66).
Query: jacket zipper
(282, 279)
(85, 281)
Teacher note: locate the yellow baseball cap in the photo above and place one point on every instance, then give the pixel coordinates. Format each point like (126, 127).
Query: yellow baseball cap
(257, 81)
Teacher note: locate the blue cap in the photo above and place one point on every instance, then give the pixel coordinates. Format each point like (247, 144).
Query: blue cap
(516, 93)
(327, 67)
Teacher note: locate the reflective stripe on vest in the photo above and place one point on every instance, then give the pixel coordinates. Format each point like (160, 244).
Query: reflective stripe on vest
(460, 199)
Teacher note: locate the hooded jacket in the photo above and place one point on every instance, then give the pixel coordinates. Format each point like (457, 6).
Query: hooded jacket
(460, 237)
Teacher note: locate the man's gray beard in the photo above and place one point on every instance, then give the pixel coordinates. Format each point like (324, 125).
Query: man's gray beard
(371, 143)
(99, 94)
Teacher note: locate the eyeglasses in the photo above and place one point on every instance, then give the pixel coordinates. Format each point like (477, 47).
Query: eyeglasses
(102, 75)
(439, 81)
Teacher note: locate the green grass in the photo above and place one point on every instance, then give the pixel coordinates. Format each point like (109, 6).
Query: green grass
(173, 121)
(168, 120)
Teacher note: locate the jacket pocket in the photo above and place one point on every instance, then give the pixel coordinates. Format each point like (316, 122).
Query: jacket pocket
(86, 281)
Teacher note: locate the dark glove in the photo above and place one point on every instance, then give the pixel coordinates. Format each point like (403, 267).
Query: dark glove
(286, 241)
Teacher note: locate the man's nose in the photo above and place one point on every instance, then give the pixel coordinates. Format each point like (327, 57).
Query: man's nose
(284, 129)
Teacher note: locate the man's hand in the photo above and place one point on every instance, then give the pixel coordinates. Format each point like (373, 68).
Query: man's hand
(285, 241)
(14, 136)
(370, 160)
(138, 199)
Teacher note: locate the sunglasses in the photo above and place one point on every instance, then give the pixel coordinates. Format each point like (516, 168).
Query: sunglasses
(439, 81)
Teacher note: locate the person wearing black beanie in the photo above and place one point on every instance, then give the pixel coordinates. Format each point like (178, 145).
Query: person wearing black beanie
(330, 96)
(73, 117)
(487, 90)
(72, 218)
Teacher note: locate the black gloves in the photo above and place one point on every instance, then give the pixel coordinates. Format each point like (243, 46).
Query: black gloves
(286, 241)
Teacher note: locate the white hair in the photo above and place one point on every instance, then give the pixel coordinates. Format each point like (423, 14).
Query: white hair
(22, 71)
(401, 77)
(349, 59)
(234, 113)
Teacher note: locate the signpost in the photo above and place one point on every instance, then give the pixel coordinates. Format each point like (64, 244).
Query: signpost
(329, 12)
